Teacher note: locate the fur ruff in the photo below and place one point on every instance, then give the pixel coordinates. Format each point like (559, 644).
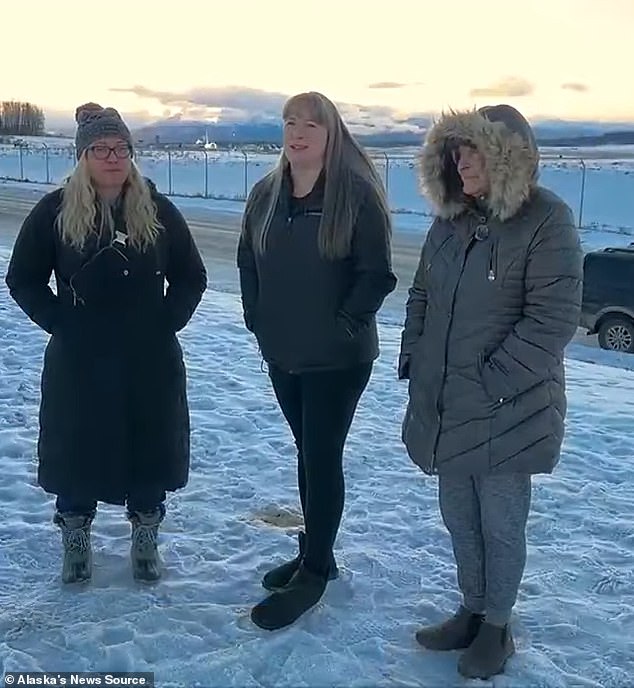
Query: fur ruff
(511, 162)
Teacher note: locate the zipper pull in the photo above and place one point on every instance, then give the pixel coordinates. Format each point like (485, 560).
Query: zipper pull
(491, 275)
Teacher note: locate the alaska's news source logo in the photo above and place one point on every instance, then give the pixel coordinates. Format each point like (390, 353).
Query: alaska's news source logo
(145, 680)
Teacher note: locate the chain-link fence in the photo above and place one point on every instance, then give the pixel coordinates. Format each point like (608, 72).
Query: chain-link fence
(601, 195)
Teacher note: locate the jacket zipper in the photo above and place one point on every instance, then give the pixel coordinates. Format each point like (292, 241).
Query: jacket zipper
(289, 221)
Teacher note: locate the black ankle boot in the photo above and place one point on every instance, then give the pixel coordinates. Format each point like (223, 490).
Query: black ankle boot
(456, 633)
(488, 653)
(280, 576)
(285, 606)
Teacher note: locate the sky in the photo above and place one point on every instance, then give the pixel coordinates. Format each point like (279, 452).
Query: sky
(565, 59)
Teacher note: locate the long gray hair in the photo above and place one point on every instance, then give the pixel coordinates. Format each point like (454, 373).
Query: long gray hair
(349, 176)
(77, 217)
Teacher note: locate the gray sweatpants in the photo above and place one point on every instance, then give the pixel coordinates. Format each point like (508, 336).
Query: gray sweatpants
(486, 517)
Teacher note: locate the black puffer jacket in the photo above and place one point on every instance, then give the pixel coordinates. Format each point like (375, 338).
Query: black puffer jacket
(308, 312)
(495, 300)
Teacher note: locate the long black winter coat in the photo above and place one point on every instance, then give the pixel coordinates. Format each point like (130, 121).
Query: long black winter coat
(114, 412)
(495, 300)
(308, 312)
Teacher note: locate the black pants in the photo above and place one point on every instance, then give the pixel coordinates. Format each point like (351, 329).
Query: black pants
(319, 408)
(141, 500)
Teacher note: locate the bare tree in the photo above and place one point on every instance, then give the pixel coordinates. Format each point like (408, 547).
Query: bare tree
(21, 119)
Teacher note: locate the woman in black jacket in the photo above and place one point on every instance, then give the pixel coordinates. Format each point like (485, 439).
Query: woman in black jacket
(315, 266)
(114, 418)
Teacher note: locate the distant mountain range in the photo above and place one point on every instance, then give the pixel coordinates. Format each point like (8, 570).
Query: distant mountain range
(379, 132)
(548, 132)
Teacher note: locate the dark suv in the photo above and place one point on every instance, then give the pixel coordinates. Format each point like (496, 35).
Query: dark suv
(608, 297)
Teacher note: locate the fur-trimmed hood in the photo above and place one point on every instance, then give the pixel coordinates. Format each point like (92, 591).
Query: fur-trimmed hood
(507, 142)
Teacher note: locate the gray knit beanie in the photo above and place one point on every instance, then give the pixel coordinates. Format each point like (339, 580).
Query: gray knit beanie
(95, 122)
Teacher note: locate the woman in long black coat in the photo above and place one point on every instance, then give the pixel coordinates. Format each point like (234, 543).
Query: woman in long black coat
(114, 417)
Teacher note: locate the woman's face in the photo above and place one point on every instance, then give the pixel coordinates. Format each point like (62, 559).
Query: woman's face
(472, 170)
(304, 140)
(108, 162)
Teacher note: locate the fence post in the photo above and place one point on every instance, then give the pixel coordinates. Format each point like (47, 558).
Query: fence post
(583, 191)
(246, 174)
(169, 172)
(48, 169)
(387, 173)
(206, 174)
(20, 147)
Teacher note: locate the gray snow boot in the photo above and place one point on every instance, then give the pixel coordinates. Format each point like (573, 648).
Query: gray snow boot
(488, 653)
(77, 563)
(457, 633)
(144, 554)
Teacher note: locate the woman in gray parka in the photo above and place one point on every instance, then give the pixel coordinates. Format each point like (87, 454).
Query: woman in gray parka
(495, 300)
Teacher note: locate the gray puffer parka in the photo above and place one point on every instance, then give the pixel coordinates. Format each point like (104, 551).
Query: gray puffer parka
(495, 300)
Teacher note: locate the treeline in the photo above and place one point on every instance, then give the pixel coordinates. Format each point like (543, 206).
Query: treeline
(21, 119)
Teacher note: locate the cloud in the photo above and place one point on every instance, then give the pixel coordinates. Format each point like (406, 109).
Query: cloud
(512, 87)
(212, 101)
(359, 117)
(63, 121)
(387, 84)
(384, 85)
(243, 104)
(366, 110)
(573, 86)
(416, 120)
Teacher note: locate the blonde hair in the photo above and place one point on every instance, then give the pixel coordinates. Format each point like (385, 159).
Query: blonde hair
(80, 202)
(349, 175)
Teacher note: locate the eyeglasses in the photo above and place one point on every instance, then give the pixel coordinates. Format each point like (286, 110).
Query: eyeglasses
(121, 151)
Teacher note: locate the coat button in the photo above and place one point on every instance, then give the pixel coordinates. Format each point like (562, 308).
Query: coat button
(126, 272)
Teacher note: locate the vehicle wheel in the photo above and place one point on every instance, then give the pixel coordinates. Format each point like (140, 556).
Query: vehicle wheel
(617, 334)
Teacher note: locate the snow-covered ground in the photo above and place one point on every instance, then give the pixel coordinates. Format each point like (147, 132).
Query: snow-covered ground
(599, 189)
(574, 621)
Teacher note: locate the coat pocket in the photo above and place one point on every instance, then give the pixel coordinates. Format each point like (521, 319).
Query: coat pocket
(521, 422)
